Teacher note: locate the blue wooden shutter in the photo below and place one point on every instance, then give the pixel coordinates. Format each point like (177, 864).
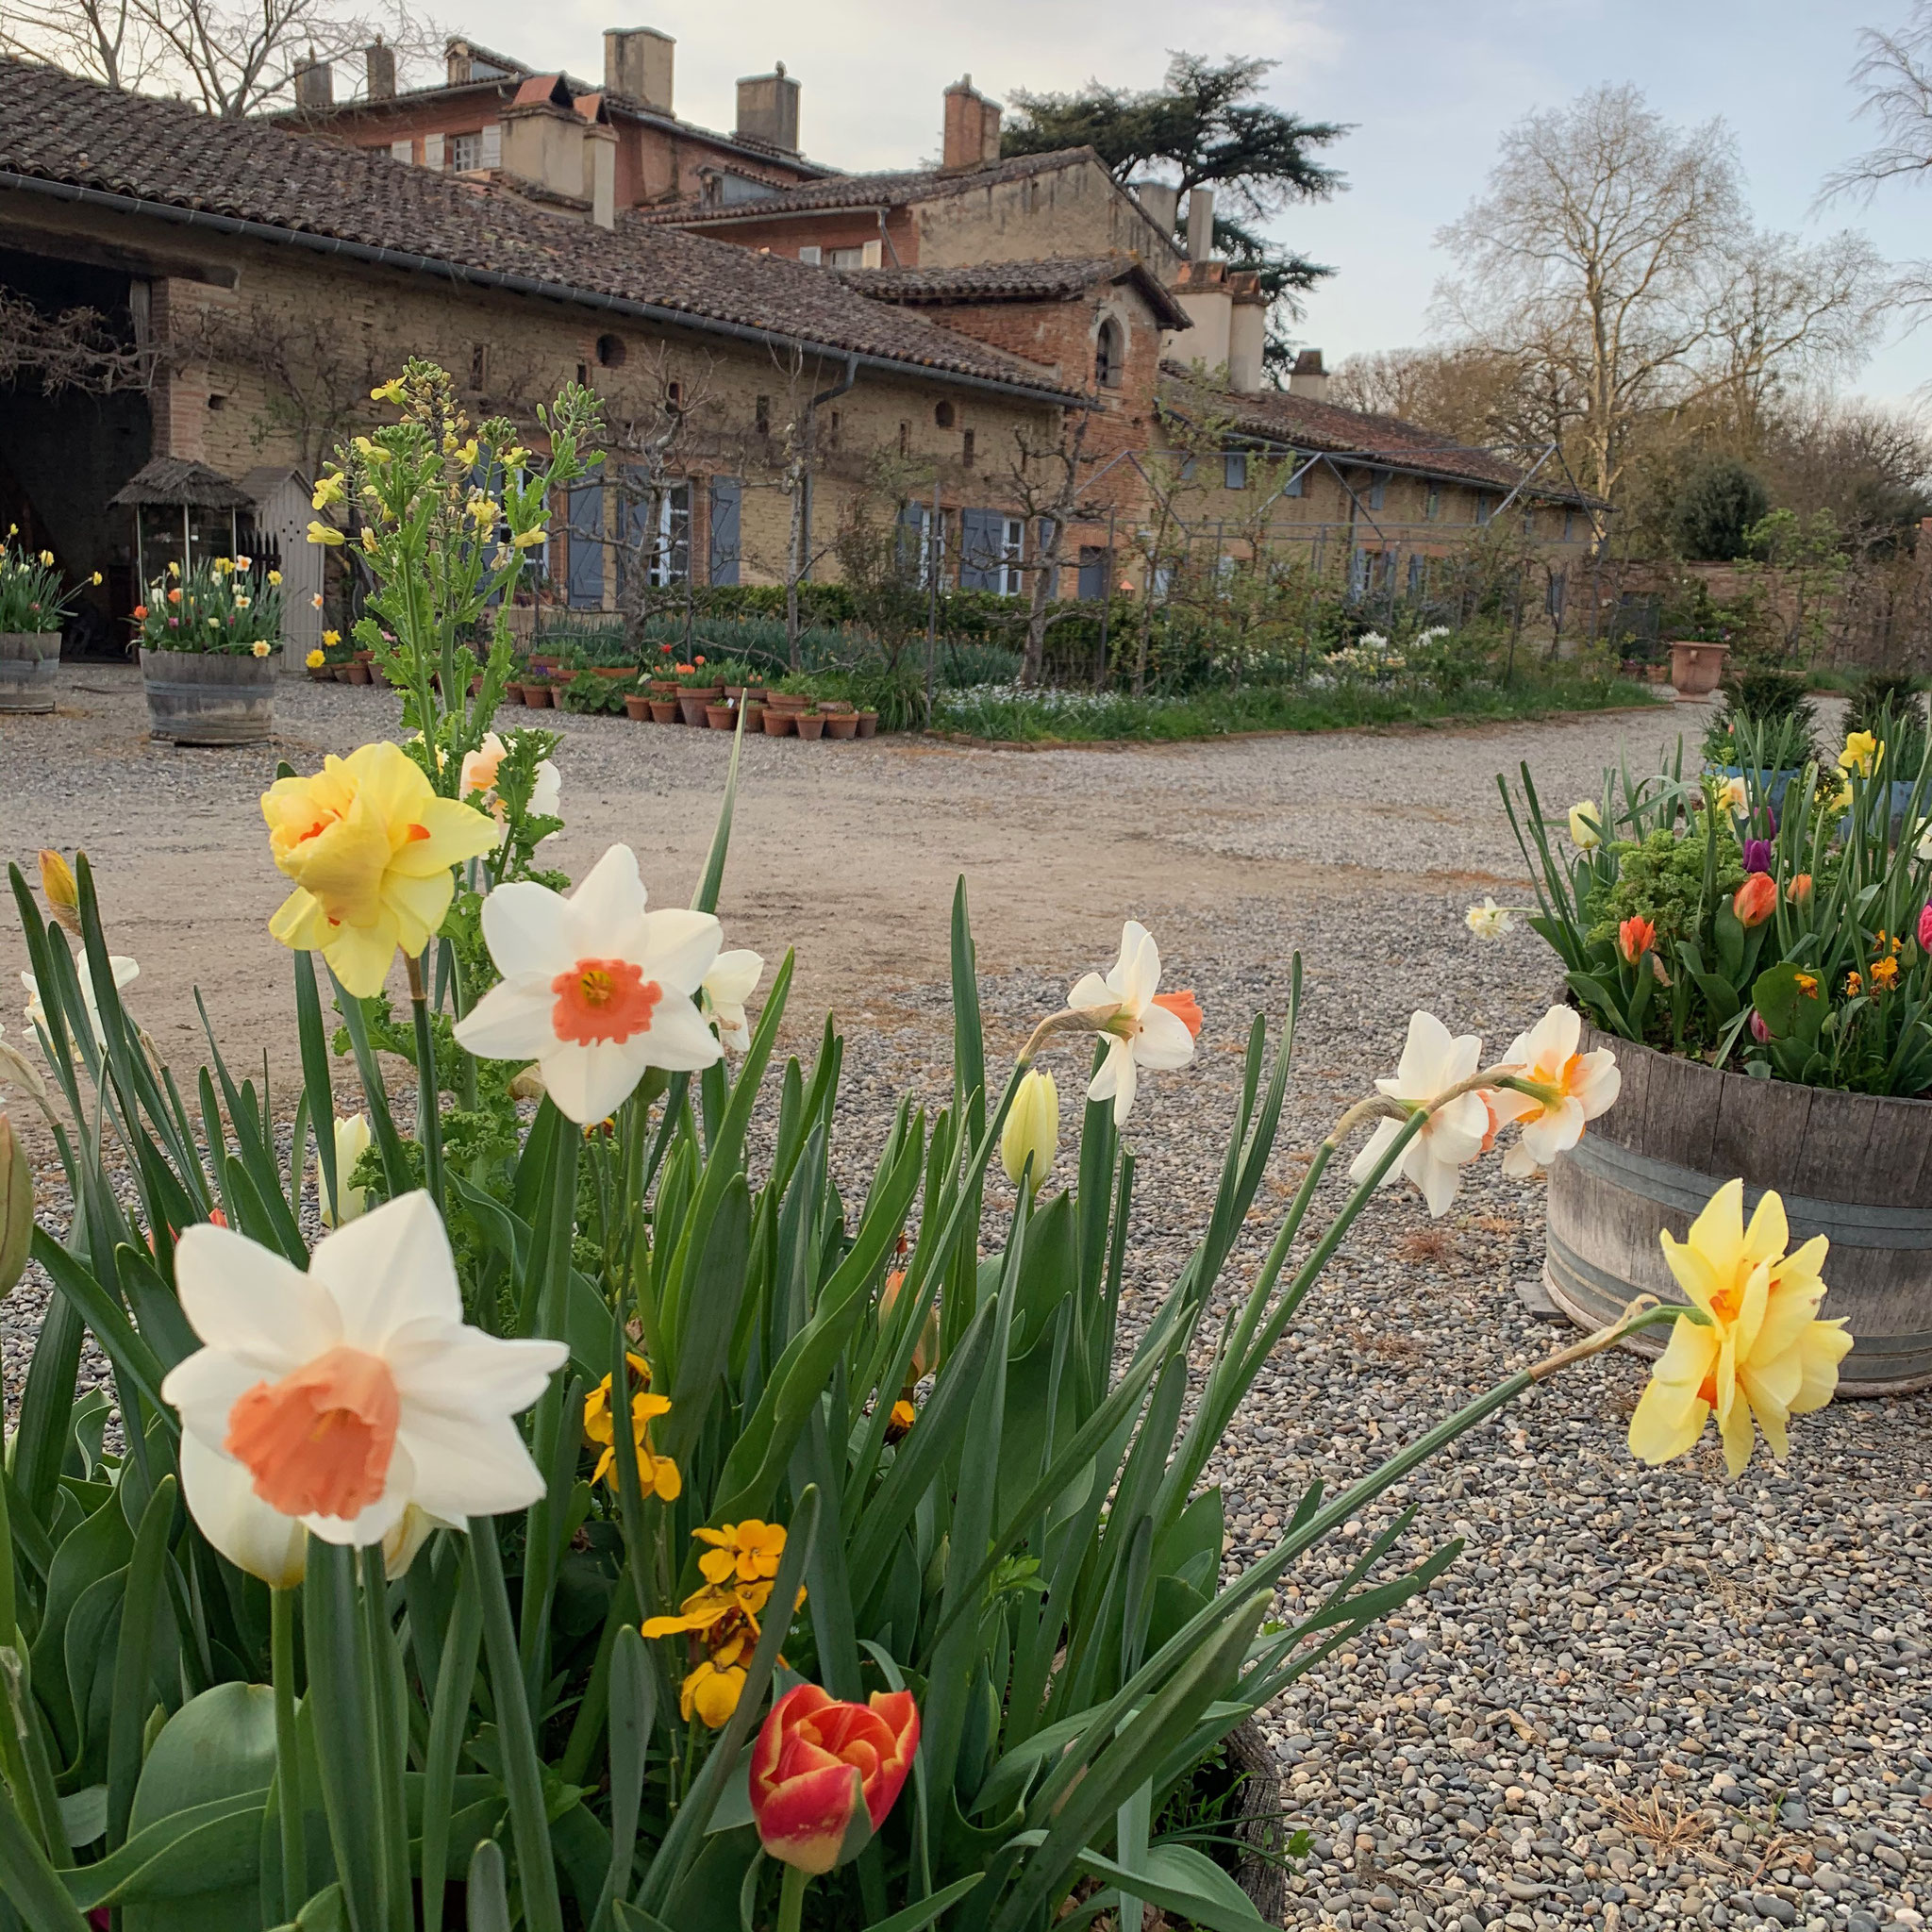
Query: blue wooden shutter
(982, 534)
(584, 576)
(728, 501)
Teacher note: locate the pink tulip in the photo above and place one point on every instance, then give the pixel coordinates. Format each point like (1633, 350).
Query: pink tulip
(1926, 925)
(1759, 1031)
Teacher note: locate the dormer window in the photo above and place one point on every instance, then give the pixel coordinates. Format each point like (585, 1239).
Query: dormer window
(1109, 354)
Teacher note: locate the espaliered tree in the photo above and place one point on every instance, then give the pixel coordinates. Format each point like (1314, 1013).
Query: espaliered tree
(1207, 122)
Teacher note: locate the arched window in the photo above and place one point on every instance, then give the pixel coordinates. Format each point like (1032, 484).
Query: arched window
(943, 415)
(610, 352)
(1109, 352)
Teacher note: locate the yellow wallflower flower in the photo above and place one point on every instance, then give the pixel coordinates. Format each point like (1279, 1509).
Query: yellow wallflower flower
(711, 1694)
(1764, 1355)
(528, 540)
(389, 392)
(328, 491)
(275, 576)
(322, 533)
(315, 661)
(331, 638)
(748, 1552)
(656, 1475)
(370, 847)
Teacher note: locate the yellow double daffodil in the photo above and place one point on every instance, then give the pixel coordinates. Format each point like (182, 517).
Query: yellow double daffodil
(1763, 1354)
(370, 847)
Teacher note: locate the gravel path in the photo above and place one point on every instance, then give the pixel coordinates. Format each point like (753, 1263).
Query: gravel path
(1638, 1698)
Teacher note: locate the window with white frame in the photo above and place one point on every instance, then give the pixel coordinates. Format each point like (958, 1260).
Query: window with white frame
(671, 554)
(465, 151)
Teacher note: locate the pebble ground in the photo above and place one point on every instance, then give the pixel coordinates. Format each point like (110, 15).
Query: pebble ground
(1636, 1698)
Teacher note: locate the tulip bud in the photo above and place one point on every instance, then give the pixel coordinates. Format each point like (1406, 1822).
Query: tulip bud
(1758, 855)
(1033, 1127)
(1799, 890)
(62, 894)
(16, 1208)
(352, 1142)
(1586, 826)
(1755, 900)
(1926, 925)
(1635, 937)
(1759, 1031)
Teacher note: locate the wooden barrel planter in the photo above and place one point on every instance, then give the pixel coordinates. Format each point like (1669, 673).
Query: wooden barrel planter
(1852, 1167)
(208, 697)
(29, 663)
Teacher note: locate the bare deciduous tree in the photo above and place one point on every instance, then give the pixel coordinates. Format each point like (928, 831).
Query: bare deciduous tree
(76, 349)
(235, 59)
(1894, 74)
(1589, 252)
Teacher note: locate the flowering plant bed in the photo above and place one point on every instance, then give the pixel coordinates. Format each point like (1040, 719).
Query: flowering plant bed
(600, 1518)
(1692, 915)
(224, 605)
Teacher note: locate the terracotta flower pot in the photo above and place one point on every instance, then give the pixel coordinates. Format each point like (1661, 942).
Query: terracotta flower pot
(664, 688)
(779, 724)
(611, 671)
(692, 708)
(512, 693)
(1696, 669)
(794, 701)
(835, 707)
(358, 672)
(537, 696)
(665, 710)
(322, 673)
(754, 695)
(809, 723)
(637, 707)
(722, 717)
(842, 725)
(868, 723)
(754, 717)
(735, 693)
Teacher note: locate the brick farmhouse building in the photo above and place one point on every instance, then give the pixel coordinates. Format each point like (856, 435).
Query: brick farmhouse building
(795, 341)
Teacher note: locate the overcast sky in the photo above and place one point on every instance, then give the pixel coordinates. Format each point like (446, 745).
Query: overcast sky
(1427, 87)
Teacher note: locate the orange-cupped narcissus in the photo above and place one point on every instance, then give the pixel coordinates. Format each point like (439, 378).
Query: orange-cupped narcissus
(370, 847)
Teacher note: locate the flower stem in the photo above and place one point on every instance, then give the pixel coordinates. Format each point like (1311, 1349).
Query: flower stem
(521, 1776)
(792, 1898)
(287, 1758)
(429, 1099)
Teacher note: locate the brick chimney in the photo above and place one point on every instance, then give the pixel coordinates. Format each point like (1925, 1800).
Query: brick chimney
(637, 62)
(973, 126)
(315, 87)
(768, 110)
(379, 71)
(1308, 378)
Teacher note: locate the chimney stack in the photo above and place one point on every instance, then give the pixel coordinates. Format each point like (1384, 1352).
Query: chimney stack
(973, 126)
(1308, 378)
(315, 87)
(768, 110)
(1247, 331)
(637, 64)
(379, 71)
(1162, 201)
(1200, 224)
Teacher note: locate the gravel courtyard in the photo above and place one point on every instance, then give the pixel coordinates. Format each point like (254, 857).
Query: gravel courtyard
(1637, 1698)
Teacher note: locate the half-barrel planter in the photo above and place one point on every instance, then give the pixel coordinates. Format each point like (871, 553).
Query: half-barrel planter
(1854, 1167)
(208, 697)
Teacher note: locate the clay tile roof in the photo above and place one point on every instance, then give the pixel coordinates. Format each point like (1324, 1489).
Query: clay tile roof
(892, 189)
(57, 129)
(1388, 441)
(542, 89)
(1057, 278)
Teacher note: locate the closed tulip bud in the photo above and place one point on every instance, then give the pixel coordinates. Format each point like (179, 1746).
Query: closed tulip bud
(1033, 1127)
(1759, 1031)
(1586, 827)
(1756, 899)
(16, 1208)
(1926, 927)
(1799, 890)
(62, 894)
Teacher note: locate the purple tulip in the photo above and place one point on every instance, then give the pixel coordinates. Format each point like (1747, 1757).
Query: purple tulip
(1757, 855)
